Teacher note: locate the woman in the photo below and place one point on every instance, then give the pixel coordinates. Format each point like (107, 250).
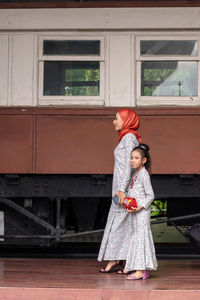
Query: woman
(117, 232)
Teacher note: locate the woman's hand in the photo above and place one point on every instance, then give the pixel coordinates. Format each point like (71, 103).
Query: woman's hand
(136, 209)
(121, 195)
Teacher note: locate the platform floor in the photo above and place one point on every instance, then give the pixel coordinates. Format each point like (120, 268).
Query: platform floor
(66, 279)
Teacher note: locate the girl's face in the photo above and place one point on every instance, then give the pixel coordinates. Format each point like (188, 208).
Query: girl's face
(118, 122)
(137, 161)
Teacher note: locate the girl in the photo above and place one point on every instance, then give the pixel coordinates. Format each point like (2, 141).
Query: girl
(141, 255)
(117, 234)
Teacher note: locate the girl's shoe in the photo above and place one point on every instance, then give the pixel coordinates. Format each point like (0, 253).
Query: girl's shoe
(132, 276)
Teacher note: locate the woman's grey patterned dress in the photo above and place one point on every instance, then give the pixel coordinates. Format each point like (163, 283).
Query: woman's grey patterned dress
(141, 254)
(117, 234)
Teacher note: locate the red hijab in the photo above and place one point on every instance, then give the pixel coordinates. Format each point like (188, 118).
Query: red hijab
(131, 123)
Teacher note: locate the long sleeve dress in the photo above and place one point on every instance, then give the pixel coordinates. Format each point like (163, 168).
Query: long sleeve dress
(141, 254)
(117, 234)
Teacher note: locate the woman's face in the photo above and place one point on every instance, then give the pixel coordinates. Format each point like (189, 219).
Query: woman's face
(118, 122)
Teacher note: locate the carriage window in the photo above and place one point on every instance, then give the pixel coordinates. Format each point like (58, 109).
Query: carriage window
(71, 71)
(71, 47)
(167, 71)
(168, 48)
(71, 78)
(169, 78)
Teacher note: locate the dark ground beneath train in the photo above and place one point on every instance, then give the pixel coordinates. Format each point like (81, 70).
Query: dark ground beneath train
(90, 250)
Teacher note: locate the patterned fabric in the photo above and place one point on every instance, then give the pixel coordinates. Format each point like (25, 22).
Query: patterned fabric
(118, 229)
(141, 253)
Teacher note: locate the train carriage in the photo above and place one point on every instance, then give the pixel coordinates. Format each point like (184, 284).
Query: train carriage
(65, 70)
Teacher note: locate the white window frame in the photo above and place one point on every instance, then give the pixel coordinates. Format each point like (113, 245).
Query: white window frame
(71, 100)
(165, 100)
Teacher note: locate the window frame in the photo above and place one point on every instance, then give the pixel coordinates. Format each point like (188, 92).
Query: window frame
(165, 100)
(71, 100)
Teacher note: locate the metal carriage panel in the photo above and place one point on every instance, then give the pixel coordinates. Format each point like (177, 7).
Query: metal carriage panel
(174, 142)
(75, 144)
(16, 150)
(82, 140)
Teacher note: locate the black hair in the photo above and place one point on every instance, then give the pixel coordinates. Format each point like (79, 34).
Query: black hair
(143, 149)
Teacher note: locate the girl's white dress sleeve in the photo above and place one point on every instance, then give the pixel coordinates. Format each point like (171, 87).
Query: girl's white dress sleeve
(148, 190)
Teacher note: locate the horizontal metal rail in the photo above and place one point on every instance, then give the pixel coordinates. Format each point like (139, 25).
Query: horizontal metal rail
(28, 236)
(81, 233)
(175, 219)
(171, 220)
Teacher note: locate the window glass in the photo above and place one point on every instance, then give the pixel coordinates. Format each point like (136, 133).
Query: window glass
(71, 78)
(168, 48)
(169, 78)
(69, 47)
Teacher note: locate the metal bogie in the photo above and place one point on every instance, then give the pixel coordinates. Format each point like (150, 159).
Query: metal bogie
(77, 206)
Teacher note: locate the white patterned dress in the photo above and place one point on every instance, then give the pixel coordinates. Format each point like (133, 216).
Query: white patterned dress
(117, 234)
(141, 254)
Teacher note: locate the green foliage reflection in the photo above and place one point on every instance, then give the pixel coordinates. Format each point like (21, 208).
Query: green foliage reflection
(158, 208)
(169, 78)
(81, 82)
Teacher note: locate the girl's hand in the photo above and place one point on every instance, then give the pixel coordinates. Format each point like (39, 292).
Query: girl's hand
(121, 196)
(135, 210)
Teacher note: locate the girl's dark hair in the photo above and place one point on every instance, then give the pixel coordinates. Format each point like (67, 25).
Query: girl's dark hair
(143, 149)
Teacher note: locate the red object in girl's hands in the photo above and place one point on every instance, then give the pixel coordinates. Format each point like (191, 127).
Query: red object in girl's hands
(130, 203)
